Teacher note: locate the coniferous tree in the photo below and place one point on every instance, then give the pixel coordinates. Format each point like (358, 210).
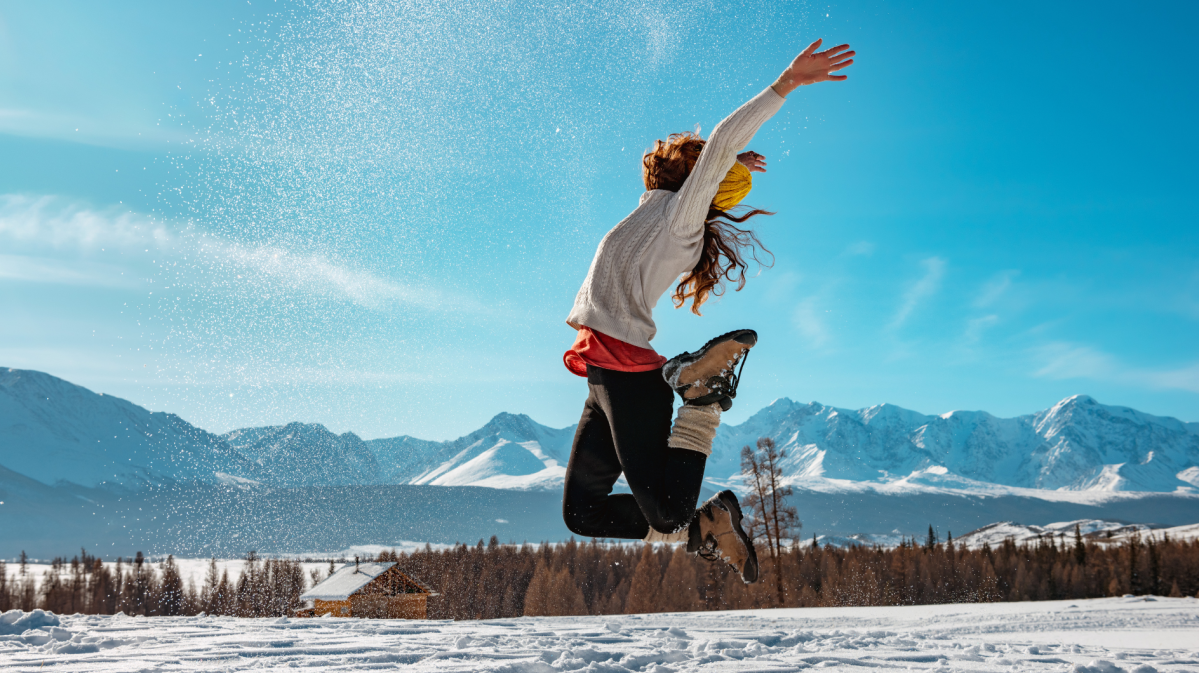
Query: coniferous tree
(5, 595)
(536, 603)
(208, 593)
(493, 579)
(565, 598)
(170, 602)
(645, 587)
(1134, 577)
(679, 583)
(224, 601)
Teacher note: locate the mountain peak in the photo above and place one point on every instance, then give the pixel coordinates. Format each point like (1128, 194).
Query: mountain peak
(507, 416)
(509, 421)
(890, 413)
(63, 432)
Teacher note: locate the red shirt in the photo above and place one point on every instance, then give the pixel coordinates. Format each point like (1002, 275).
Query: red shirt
(600, 350)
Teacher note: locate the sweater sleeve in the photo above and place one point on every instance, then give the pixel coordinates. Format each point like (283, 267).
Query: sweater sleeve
(689, 207)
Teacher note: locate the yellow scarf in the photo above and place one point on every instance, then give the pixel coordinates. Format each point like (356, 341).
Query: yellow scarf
(733, 188)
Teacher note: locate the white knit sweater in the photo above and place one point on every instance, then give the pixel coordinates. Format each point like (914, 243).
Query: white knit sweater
(643, 256)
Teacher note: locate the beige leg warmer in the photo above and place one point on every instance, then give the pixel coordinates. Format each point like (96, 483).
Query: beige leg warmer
(695, 427)
(655, 536)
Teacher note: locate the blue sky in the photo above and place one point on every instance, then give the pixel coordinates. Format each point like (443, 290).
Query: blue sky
(376, 216)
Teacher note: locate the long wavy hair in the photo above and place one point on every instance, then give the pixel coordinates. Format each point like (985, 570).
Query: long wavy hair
(727, 248)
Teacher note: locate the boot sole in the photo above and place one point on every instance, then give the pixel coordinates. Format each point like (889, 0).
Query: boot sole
(749, 574)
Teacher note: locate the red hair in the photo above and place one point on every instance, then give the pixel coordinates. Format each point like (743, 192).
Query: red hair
(723, 256)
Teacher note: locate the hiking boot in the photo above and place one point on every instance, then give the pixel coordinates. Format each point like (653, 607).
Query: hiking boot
(707, 375)
(716, 533)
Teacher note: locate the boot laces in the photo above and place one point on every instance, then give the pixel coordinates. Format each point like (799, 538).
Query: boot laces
(710, 551)
(727, 383)
(736, 378)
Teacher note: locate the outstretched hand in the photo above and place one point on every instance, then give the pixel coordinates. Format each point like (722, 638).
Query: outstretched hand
(756, 163)
(812, 66)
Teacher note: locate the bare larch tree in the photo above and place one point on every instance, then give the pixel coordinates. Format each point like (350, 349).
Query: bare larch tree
(771, 517)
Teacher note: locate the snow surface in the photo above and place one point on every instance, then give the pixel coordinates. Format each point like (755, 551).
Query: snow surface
(195, 569)
(1112, 635)
(190, 569)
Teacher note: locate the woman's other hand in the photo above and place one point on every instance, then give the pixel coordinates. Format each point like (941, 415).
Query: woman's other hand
(756, 163)
(812, 66)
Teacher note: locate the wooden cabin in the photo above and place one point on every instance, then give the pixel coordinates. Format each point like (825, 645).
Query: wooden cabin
(369, 591)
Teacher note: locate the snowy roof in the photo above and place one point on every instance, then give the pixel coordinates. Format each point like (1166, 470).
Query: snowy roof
(347, 580)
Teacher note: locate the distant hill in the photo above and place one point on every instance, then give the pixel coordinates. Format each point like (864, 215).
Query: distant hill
(54, 431)
(304, 454)
(1077, 445)
(66, 451)
(511, 452)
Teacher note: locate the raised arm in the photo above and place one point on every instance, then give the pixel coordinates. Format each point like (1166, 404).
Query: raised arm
(690, 205)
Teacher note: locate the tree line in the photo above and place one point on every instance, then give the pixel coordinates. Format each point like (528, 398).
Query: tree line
(493, 580)
(86, 585)
(504, 580)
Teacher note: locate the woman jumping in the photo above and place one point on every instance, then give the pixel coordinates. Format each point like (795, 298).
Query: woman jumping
(682, 227)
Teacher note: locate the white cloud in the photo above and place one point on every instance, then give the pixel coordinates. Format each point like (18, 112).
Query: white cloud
(62, 272)
(313, 275)
(934, 269)
(976, 326)
(114, 130)
(810, 322)
(993, 289)
(55, 222)
(1062, 360)
(779, 287)
(1182, 378)
(860, 248)
(1072, 361)
(63, 225)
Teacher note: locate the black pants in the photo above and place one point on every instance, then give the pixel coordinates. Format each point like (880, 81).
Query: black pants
(624, 428)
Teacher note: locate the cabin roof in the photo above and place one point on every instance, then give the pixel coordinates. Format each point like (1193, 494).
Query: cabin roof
(346, 581)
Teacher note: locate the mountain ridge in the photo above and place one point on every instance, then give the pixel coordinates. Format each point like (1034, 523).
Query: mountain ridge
(52, 430)
(1076, 445)
(82, 468)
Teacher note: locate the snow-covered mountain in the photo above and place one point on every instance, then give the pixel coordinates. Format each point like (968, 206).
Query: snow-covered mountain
(304, 454)
(54, 431)
(511, 451)
(1061, 531)
(1077, 445)
(78, 467)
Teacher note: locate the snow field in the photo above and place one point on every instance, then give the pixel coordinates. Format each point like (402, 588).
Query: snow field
(1111, 635)
(194, 569)
(189, 569)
